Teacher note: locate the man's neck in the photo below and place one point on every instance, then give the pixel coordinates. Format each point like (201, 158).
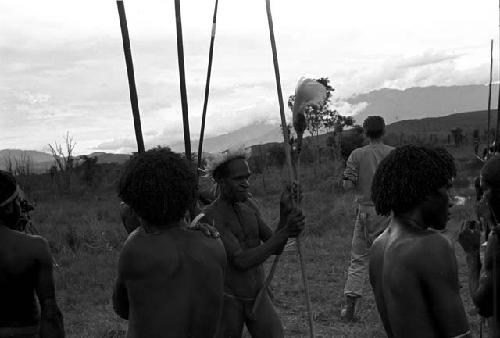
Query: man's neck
(228, 199)
(411, 220)
(155, 228)
(376, 141)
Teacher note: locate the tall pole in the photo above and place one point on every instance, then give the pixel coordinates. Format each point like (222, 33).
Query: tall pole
(497, 139)
(134, 102)
(207, 85)
(289, 160)
(489, 99)
(182, 82)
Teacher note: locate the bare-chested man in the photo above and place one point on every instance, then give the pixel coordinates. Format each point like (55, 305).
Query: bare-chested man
(25, 274)
(413, 269)
(170, 278)
(248, 241)
(481, 285)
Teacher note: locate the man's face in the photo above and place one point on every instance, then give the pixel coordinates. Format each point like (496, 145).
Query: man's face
(436, 208)
(235, 186)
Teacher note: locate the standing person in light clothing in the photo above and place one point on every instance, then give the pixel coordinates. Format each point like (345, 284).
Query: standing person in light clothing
(360, 168)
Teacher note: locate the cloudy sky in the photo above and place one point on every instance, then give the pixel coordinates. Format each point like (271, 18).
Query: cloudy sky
(62, 66)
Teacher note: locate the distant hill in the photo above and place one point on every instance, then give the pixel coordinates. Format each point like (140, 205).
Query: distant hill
(444, 124)
(421, 102)
(255, 133)
(43, 161)
(103, 157)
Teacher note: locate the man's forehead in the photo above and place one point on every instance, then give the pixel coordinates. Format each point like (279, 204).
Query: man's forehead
(238, 167)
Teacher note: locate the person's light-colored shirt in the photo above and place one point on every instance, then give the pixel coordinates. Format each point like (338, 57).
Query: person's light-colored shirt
(360, 169)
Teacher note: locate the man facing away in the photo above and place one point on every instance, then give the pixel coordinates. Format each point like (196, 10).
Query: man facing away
(248, 241)
(413, 269)
(170, 278)
(25, 274)
(358, 175)
(482, 285)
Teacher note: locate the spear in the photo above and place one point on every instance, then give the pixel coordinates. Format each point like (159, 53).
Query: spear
(207, 85)
(489, 99)
(182, 82)
(134, 102)
(291, 170)
(497, 140)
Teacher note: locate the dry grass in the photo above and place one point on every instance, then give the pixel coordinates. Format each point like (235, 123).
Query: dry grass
(85, 236)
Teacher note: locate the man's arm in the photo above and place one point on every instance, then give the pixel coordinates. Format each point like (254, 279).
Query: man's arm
(51, 323)
(481, 289)
(439, 276)
(350, 176)
(120, 297)
(245, 259)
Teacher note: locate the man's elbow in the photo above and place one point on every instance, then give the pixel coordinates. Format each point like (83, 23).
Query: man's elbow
(121, 310)
(120, 307)
(241, 263)
(51, 324)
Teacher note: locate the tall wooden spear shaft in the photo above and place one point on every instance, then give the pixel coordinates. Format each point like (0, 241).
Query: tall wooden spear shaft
(489, 99)
(291, 170)
(182, 82)
(134, 102)
(207, 85)
(497, 138)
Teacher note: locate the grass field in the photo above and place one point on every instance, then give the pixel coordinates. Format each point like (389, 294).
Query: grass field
(86, 237)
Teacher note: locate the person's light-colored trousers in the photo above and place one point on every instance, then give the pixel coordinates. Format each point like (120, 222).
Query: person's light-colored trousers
(367, 227)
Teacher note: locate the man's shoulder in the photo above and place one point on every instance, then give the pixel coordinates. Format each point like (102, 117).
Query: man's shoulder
(427, 247)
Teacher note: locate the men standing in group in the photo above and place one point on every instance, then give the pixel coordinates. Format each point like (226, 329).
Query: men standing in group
(358, 175)
(25, 274)
(170, 277)
(248, 241)
(413, 269)
(484, 286)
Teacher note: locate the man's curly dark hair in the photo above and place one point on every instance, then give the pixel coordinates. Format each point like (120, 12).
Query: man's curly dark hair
(159, 185)
(408, 176)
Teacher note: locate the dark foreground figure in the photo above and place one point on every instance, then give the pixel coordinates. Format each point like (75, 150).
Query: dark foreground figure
(25, 275)
(413, 269)
(248, 241)
(170, 278)
(482, 284)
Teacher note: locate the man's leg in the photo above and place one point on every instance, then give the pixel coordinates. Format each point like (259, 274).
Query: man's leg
(357, 272)
(231, 322)
(265, 322)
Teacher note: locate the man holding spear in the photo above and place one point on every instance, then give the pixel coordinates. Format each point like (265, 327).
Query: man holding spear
(249, 242)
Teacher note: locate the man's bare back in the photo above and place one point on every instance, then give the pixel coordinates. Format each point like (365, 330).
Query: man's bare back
(413, 269)
(173, 278)
(413, 273)
(26, 271)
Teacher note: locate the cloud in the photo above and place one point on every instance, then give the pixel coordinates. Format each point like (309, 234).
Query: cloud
(426, 59)
(348, 109)
(125, 145)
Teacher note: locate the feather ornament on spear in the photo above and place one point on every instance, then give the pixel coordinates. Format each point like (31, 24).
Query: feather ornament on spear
(309, 94)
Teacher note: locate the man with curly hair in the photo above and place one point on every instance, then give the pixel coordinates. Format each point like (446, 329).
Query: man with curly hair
(413, 269)
(170, 278)
(26, 276)
(358, 175)
(484, 286)
(249, 242)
